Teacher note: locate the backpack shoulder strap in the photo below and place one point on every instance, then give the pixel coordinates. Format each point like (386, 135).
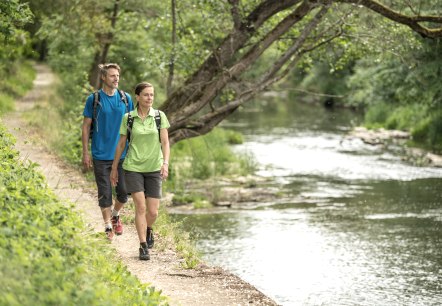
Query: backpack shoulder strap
(158, 123)
(124, 99)
(130, 124)
(95, 104)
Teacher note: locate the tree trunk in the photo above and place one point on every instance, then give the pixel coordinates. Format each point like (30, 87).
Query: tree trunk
(105, 42)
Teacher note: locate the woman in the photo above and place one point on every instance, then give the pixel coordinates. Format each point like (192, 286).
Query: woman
(146, 163)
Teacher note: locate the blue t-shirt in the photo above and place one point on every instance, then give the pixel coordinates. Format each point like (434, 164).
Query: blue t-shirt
(106, 125)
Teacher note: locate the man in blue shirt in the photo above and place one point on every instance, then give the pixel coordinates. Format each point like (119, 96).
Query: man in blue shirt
(105, 119)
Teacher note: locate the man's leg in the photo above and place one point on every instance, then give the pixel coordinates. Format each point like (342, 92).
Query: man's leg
(107, 214)
(117, 225)
(102, 178)
(121, 199)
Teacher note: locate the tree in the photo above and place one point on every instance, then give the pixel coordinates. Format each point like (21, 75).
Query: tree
(14, 40)
(13, 15)
(213, 55)
(297, 28)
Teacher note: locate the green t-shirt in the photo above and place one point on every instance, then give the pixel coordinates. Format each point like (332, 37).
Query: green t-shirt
(144, 153)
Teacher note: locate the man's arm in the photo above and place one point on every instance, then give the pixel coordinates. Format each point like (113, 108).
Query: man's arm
(85, 132)
(118, 152)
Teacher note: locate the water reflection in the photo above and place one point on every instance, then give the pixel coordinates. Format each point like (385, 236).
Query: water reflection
(360, 226)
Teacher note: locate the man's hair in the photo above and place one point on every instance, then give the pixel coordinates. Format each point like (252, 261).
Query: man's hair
(141, 86)
(105, 67)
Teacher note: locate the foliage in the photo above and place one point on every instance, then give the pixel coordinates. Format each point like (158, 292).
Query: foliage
(208, 156)
(140, 41)
(173, 237)
(47, 255)
(401, 93)
(13, 16)
(178, 238)
(18, 82)
(15, 42)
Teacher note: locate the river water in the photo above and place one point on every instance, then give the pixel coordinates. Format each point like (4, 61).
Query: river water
(361, 226)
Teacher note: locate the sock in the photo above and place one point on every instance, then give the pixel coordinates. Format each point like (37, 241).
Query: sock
(108, 225)
(115, 213)
(143, 245)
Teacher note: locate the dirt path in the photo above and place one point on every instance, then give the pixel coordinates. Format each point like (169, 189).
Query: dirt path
(202, 286)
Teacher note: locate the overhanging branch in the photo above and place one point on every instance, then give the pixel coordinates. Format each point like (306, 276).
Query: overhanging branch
(412, 21)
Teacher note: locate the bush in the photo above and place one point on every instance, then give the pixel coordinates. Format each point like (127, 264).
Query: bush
(210, 156)
(406, 117)
(377, 114)
(429, 132)
(47, 257)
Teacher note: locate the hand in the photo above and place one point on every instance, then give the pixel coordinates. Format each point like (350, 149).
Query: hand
(114, 177)
(87, 162)
(164, 171)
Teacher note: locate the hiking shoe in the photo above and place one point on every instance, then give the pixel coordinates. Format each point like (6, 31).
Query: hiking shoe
(109, 233)
(149, 238)
(144, 253)
(117, 226)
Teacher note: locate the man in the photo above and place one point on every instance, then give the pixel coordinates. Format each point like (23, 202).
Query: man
(105, 119)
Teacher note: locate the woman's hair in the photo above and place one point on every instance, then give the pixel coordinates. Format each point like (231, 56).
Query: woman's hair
(141, 86)
(105, 67)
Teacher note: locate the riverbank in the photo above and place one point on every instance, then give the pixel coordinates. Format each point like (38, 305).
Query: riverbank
(201, 286)
(383, 137)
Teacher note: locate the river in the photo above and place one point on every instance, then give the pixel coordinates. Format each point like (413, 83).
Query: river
(362, 227)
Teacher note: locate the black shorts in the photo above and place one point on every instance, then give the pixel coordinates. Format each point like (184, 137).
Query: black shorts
(102, 170)
(149, 182)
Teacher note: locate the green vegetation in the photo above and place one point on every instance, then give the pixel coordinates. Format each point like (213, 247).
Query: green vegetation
(175, 236)
(18, 81)
(47, 256)
(209, 156)
(203, 158)
(395, 90)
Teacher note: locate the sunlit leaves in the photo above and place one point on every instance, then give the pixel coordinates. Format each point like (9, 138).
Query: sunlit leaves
(13, 15)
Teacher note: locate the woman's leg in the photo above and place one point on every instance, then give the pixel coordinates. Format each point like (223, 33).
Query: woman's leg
(140, 214)
(152, 211)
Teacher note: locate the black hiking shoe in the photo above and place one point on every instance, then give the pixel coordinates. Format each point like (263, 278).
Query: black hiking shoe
(144, 253)
(109, 233)
(149, 238)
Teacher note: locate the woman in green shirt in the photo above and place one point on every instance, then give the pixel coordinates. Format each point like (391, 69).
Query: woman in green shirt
(146, 163)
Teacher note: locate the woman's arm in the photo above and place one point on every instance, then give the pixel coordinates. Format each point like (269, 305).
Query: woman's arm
(166, 153)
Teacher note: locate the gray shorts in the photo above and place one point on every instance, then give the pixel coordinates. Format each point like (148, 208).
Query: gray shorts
(149, 182)
(102, 170)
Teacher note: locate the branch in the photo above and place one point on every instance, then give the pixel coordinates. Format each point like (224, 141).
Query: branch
(225, 52)
(298, 43)
(236, 17)
(411, 21)
(199, 97)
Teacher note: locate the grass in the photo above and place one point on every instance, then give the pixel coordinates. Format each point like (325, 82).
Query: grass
(172, 236)
(18, 81)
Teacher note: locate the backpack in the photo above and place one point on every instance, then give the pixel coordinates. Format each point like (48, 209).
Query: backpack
(130, 123)
(97, 102)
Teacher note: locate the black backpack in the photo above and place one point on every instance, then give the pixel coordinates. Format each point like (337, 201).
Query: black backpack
(130, 123)
(97, 102)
